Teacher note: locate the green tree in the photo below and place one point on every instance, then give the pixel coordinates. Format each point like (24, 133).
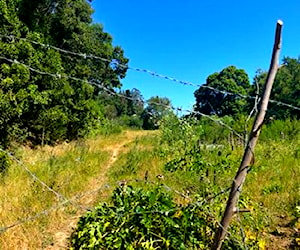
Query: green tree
(39, 107)
(212, 102)
(67, 24)
(130, 102)
(286, 89)
(157, 108)
(126, 107)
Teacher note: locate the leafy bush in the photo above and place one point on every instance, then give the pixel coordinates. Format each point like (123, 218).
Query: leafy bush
(138, 219)
(132, 121)
(178, 136)
(106, 127)
(184, 145)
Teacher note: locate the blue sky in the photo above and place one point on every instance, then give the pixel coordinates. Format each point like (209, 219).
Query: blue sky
(192, 39)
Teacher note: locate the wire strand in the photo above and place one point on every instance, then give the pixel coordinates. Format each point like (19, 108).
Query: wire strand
(59, 76)
(30, 173)
(107, 186)
(152, 73)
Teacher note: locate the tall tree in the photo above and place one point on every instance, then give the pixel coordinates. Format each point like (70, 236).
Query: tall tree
(39, 107)
(212, 102)
(157, 108)
(134, 102)
(286, 89)
(125, 102)
(67, 24)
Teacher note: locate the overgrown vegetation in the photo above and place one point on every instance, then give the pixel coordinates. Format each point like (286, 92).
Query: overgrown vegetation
(193, 171)
(145, 164)
(235, 86)
(138, 219)
(72, 169)
(174, 181)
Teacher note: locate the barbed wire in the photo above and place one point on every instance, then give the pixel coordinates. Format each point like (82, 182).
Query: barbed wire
(242, 230)
(55, 207)
(218, 121)
(284, 104)
(124, 183)
(152, 73)
(111, 92)
(60, 76)
(30, 173)
(194, 112)
(252, 113)
(197, 203)
(71, 200)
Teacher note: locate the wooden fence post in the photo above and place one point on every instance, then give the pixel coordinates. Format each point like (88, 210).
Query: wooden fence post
(249, 150)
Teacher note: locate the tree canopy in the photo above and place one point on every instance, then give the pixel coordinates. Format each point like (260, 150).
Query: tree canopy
(47, 95)
(157, 108)
(39, 107)
(212, 102)
(286, 89)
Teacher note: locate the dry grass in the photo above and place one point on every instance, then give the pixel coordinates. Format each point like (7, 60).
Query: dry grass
(70, 169)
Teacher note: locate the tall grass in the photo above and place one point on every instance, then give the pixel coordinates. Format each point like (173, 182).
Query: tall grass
(66, 170)
(70, 169)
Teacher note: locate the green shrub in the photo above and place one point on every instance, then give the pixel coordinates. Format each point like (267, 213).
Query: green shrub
(191, 161)
(178, 136)
(132, 121)
(138, 219)
(274, 188)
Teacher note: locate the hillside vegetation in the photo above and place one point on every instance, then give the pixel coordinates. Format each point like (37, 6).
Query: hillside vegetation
(85, 164)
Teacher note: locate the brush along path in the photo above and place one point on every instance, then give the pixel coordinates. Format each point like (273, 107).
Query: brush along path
(115, 148)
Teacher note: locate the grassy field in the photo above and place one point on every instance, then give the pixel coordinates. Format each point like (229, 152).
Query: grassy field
(93, 167)
(73, 169)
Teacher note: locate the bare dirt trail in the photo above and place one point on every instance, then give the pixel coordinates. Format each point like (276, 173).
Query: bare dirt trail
(115, 150)
(60, 238)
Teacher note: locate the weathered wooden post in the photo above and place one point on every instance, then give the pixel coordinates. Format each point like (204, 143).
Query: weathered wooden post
(249, 150)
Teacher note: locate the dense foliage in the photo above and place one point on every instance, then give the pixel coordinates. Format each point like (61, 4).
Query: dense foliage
(41, 108)
(125, 107)
(286, 89)
(139, 219)
(197, 162)
(157, 108)
(45, 108)
(212, 102)
(47, 96)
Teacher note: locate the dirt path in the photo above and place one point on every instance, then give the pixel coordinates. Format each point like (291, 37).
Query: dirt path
(60, 238)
